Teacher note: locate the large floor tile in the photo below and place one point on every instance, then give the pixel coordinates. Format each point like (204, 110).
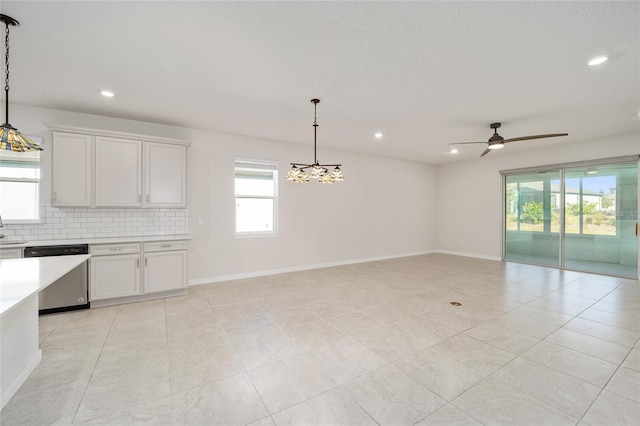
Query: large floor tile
(389, 343)
(493, 402)
(284, 383)
(313, 334)
(632, 361)
(474, 353)
(566, 393)
(53, 405)
(191, 367)
(330, 408)
(449, 415)
(603, 331)
(611, 409)
(440, 373)
(503, 338)
(346, 359)
(589, 345)
(530, 327)
(231, 401)
(626, 382)
(390, 397)
(591, 370)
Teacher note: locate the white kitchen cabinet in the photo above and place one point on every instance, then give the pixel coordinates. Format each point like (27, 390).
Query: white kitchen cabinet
(10, 253)
(117, 270)
(118, 172)
(113, 274)
(103, 168)
(72, 169)
(165, 171)
(165, 270)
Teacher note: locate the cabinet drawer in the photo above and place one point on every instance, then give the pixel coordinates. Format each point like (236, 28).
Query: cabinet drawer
(107, 249)
(165, 246)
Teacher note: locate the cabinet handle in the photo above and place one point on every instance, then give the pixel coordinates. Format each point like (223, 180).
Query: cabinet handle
(55, 197)
(137, 263)
(165, 245)
(139, 198)
(147, 198)
(145, 262)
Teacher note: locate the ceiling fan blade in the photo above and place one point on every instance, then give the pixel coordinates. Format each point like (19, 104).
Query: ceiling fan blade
(486, 151)
(464, 143)
(525, 138)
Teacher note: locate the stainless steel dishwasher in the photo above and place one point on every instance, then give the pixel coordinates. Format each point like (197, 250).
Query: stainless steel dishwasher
(70, 292)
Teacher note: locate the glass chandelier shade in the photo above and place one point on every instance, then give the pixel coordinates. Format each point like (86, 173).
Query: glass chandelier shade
(298, 172)
(10, 138)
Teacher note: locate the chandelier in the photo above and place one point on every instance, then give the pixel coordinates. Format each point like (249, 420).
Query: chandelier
(10, 138)
(318, 171)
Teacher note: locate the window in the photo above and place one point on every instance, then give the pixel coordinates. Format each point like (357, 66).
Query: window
(20, 186)
(256, 197)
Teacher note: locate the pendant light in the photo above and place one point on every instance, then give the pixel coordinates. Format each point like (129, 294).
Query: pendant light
(321, 172)
(10, 138)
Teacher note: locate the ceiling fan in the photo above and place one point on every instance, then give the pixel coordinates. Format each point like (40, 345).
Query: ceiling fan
(496, 141)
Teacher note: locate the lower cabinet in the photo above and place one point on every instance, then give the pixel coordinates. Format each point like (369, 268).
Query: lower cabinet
(117, 270)
(165, 266)
(10, 253)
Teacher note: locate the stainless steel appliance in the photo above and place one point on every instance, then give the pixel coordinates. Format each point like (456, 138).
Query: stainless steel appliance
(70, 292)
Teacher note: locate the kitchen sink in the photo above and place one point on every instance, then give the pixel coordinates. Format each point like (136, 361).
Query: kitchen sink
(9, 243)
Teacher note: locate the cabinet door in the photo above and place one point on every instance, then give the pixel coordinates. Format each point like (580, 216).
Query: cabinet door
(165, 270)
(14, 253)
(118, 172)
(72, 169)
(114, 276)
(165, 174)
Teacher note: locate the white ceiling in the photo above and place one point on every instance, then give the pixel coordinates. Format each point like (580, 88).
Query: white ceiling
(423, 73)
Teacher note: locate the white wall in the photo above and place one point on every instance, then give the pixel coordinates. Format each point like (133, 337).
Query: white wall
(469, 212)
(385, 207)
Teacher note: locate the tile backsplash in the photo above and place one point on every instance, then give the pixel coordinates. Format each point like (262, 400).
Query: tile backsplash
(61, 223)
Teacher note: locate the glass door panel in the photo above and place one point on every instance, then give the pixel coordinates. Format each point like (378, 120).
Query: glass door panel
(532, 218)
(601, 213)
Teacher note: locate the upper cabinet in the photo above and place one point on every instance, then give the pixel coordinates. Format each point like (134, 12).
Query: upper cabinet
(72, 169)
(165, 170)
(93, 168)
(118, 172)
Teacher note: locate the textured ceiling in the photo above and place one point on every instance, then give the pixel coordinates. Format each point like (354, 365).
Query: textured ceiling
(423, 73)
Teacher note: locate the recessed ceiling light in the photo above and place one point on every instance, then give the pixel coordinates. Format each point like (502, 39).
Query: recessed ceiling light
(107, 93)
(598, 60)
(453, 151)
(378, 135)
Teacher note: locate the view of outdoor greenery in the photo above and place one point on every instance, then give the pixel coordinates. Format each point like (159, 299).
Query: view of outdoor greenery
(596, 214)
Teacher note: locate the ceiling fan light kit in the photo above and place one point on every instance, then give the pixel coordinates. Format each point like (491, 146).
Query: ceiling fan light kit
(10, 138)
(496, 141)
(321, 172)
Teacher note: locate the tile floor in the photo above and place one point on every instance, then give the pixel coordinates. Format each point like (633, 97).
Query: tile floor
(372, 343)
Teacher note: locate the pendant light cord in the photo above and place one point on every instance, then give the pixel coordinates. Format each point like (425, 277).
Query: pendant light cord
(6, 74)
(315, 131)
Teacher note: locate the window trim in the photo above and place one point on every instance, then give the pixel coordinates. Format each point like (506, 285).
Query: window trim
(39, 210)
(264, 165)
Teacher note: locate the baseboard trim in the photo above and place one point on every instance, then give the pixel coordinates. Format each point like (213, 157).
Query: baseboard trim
(267, 272)
(474, 255)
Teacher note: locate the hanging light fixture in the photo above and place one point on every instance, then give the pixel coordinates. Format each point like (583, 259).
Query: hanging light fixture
(10, 138)
(318, 171)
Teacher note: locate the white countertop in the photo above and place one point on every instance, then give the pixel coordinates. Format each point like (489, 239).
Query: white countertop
(112, 240)
(21, 278)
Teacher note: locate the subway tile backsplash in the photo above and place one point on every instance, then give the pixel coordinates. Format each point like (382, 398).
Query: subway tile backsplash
(62, 223)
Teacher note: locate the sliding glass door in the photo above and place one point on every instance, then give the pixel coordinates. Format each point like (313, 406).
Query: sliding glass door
(601, 212)
(532, 217)
(575, 216)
